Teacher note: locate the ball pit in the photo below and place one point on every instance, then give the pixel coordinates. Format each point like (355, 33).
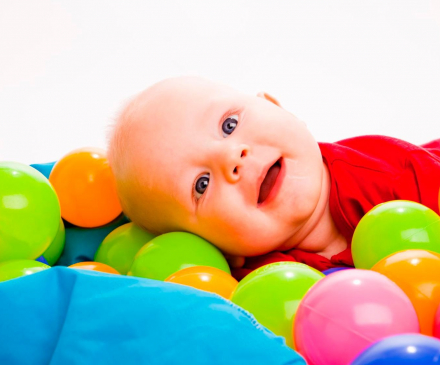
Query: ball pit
(292, 299)
(394, 226)
(346, 312)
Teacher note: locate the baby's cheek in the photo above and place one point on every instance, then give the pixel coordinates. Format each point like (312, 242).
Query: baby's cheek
(234, 230)
(240, 243)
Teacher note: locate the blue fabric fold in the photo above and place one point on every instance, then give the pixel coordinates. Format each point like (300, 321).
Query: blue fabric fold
(68, 316)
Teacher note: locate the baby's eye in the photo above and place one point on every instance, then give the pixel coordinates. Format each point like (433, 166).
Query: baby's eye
(201, 185)
(229, 125)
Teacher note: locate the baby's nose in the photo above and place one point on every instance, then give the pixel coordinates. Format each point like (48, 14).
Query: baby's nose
(233, 161)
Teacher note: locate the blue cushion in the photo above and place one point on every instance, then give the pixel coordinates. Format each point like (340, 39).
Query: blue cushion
(68, 316)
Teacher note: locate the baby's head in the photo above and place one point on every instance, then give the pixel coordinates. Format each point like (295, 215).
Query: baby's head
(193, 155)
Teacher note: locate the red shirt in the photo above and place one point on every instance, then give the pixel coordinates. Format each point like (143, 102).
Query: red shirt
(366, 171)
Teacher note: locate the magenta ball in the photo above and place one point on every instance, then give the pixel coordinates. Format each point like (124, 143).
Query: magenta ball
(436, 332)
(346, 312)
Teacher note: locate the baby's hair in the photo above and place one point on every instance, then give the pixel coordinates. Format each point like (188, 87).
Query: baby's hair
(114, 133)
(117, 139)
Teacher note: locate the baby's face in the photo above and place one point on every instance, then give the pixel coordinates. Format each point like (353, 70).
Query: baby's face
(236, 169)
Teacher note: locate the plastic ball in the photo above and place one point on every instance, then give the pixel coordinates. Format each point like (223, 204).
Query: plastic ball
(94, 266)
(16, 268)
(436, 330)
(29, 212)
(417, 273)
(335, 269)
(55, 249)
(346, 312)
(406, 349)
(121, 246)
(42, 259)
(170, 252)
(86, 188)
(392, 227)
(205, 278)
(273, 292)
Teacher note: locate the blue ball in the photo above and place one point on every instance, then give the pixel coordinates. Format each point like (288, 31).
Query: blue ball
(406, 349)
(334, 269)
(43, 260)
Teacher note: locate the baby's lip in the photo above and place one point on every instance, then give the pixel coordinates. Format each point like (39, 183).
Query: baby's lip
(276, 184)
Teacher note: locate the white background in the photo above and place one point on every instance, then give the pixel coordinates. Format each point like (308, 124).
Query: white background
(344, 67)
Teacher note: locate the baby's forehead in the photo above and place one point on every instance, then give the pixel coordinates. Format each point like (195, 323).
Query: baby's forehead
(165, 116)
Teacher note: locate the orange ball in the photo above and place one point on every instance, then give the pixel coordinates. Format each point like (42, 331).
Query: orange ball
(94, 266)
(86, 188)
(205, 278)
(417, 273)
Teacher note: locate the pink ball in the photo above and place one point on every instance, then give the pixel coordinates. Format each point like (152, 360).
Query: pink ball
(436, 332)
(347, 311)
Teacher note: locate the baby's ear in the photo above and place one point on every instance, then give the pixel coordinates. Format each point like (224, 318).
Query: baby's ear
(269, 97)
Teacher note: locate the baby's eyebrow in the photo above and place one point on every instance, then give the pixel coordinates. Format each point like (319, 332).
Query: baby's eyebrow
(213, 109)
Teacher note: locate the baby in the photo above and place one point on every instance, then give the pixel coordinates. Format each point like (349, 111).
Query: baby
(240, 171)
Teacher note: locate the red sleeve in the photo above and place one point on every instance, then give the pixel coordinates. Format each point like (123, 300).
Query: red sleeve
(433, 147)
(420, 179)
(366, 171)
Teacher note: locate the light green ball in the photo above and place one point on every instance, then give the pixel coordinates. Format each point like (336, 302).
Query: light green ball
(15, 268)
(29, 212)
(391, 227)
(273, 292)
(121, 245)
(170, 252)
(55, 249)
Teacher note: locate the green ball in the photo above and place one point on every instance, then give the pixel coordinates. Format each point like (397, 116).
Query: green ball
(273, 292)
(121, 245)
(55, 249)
(171, 252)
(391, 227)
(29, 212)
(15, 268)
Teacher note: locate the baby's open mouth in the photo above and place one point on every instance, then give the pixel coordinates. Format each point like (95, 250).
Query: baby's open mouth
(269, 181)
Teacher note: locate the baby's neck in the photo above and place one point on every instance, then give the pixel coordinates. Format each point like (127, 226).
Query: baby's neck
(320, 235)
